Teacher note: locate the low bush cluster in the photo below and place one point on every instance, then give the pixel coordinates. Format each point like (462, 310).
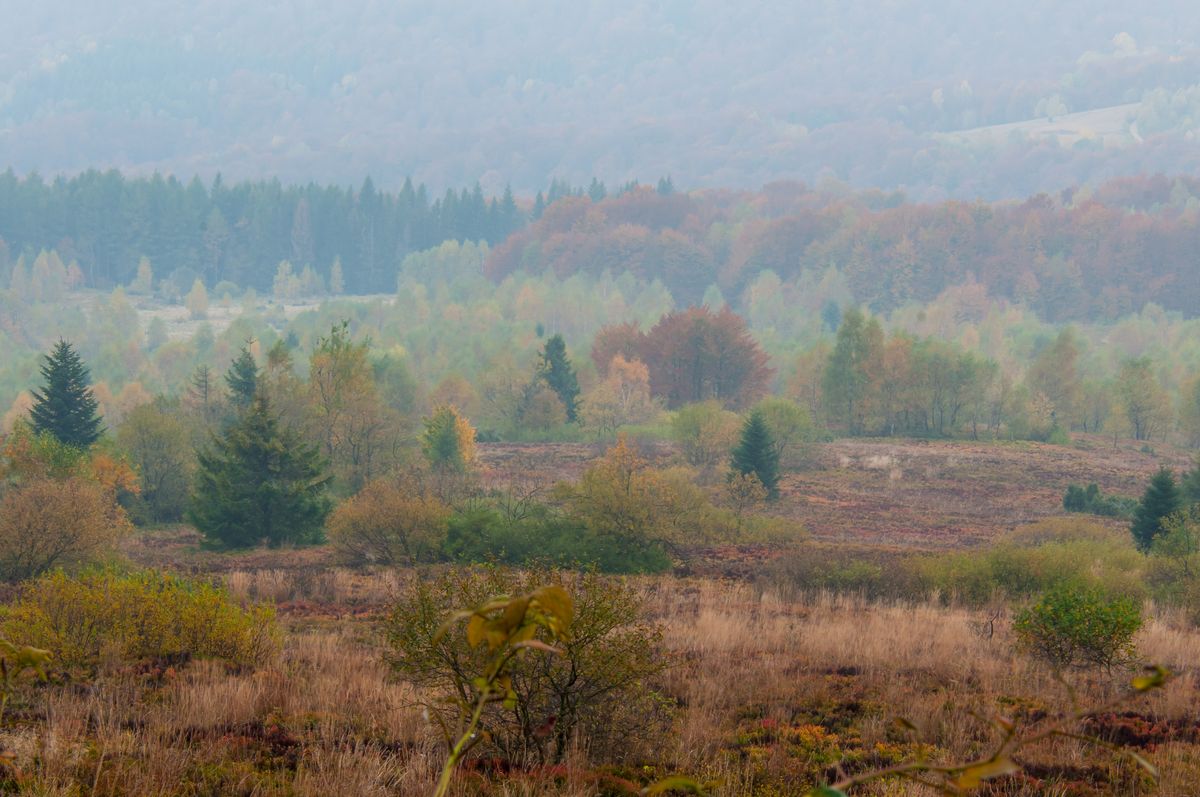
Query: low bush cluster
(1093, 501)
(1034, 559)
(1022, 564)
(48, 523)
(598, 691)
(389, 522)
(1080, 625)
(106, 616)
(546, 535)
(622, 516)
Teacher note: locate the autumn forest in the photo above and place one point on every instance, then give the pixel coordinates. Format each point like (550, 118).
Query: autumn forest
(609, 400)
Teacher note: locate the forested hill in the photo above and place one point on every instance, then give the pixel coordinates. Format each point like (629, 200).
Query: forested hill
(239, 232)
(711, 93)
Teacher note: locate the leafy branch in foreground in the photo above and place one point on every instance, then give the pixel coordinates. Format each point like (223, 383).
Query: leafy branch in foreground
(964, 778)
(510, 627)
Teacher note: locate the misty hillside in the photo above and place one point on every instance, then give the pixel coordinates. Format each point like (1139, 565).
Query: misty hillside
(712, 94)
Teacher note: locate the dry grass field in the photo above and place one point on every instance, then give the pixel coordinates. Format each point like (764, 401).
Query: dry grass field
(770, 696)
(954, 493)
(894, 492)
(770, 690)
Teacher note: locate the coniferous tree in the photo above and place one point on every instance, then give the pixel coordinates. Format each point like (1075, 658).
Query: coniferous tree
(258, 482)
(242, 378)
(556, 370)
(756, 453)
(1189, 485)
(65, 407)
(1160, 500)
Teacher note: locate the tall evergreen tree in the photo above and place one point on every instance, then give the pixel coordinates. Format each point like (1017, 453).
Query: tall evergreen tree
(258, 482)
(65, 407)
(242, 378)
(756, 453)
(1189, 485)
(556, 370)
(1160, 500)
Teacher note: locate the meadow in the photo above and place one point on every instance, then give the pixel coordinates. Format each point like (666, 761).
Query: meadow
(771, 685)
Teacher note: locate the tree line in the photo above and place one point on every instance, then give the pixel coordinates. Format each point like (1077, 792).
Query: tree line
(1083, 254)
(105, 223)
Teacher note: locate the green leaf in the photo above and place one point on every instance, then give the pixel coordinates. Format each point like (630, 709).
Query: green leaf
(826, 791)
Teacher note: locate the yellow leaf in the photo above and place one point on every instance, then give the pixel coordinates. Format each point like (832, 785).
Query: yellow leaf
(1157, 677)
(475, 630)
(972, 776)
(557, 603)
(514, 614)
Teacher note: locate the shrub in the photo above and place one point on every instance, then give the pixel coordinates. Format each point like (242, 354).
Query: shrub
(1080, 625)
(389, 522)
(543, 535)
(596, 691)
(145, 615)
(622, 499)
(1092, 501)
(705, 432)
(47, 523)
(1173, 569)
(1034, 559)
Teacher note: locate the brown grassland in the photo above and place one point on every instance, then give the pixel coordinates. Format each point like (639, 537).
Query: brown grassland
(773, 686)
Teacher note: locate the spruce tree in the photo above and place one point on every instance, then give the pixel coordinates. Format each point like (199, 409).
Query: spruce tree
(557, 372)
(242, 378)
(1189, 485)
(65, 407)
(258, 482)
(756, 453)
(1160, 500)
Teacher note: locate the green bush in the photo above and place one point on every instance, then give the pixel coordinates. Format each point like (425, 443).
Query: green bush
(597, 691)
(105, 615)
(1093, 501)
(1034, 559)
(543, 535)
(1173, 568)
(1080, 625)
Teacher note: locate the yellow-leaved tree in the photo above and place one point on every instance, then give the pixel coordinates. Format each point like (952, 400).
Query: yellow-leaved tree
(622, 398)
(448, 441)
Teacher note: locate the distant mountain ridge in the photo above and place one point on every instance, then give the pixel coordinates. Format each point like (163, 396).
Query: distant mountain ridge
(524, 92)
